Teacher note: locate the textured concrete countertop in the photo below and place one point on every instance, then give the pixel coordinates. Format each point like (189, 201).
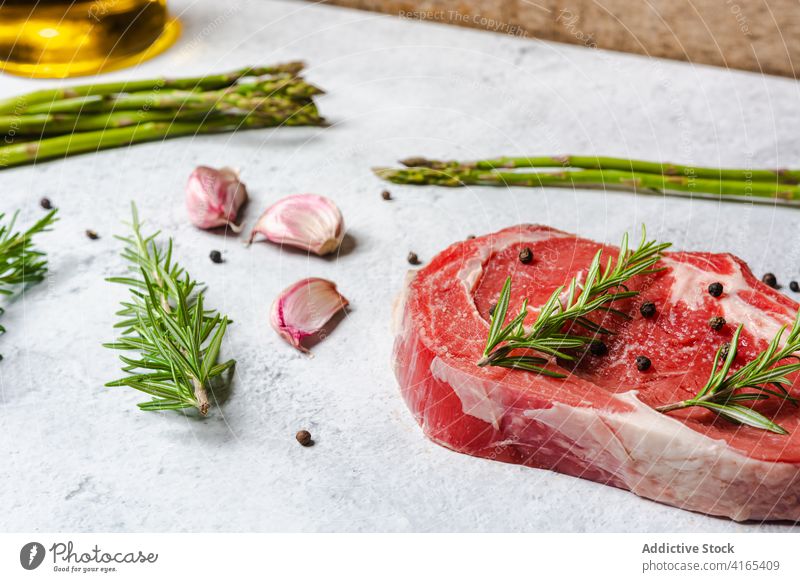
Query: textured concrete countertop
(78, 456)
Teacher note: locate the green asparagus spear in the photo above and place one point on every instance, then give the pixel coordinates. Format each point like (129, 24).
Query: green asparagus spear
(609, 163)
(20, 104)
(285, 88)
(605, 179)
(40, 125)
(92, 141)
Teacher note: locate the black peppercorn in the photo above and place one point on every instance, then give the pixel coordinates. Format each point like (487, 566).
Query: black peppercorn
(470, 236)
(648, 309)
(304, 438)
(715, 289)
(386, 195)
(716, 323)
(794, 286)
(525, 255)
(46, 204)
(770, 279)
(643, 363)
(412, 258)
(724, 349)
(492, 308)
(215, 256)
(598, 349)
(92, 234)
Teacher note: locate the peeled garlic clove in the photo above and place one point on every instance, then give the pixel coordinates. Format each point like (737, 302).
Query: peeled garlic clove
(306, 221)
(304, 308)
(213, 197)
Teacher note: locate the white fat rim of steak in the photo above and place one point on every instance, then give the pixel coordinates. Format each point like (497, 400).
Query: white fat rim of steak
(661, 458)
(653, 454)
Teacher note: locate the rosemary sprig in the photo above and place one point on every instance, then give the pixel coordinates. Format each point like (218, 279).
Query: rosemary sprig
(602, 286)
(176, 338)
(760, 379)
(20, 262)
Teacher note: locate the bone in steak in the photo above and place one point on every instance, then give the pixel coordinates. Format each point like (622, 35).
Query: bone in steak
(599, 422)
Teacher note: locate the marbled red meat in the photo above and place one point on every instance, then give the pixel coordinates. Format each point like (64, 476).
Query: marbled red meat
(599, 422)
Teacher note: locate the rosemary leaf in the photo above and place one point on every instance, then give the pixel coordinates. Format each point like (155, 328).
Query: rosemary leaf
(498, 317)
(744, 415)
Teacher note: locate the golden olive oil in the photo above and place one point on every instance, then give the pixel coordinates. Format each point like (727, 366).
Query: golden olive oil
(62, 38)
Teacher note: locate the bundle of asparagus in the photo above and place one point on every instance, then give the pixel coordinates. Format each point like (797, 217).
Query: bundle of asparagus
(768, 186)
(61, 122)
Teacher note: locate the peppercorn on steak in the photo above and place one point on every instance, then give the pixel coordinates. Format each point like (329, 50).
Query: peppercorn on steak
(599, 420)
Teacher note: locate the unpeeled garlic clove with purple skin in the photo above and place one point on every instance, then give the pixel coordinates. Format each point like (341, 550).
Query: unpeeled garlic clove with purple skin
(303, 309)
(213, 197)
(306, 221)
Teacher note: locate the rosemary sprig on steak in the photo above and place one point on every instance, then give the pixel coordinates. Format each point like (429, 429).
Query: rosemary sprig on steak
(765, 377)
(175, 339)
(561, 323)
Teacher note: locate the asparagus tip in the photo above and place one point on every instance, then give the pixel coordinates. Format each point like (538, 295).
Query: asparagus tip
(416, 162)
(292, 67)
(382, 172)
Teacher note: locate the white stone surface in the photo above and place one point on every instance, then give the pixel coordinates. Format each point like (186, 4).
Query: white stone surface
(80, 457)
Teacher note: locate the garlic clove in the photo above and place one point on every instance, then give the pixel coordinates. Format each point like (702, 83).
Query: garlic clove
(303, 309)
(213, 197)
(306, 221)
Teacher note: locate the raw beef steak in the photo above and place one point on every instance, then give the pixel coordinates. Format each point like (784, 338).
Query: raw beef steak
(599, 422)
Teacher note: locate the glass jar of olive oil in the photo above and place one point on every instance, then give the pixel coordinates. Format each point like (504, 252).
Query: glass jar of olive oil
(64, 38)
